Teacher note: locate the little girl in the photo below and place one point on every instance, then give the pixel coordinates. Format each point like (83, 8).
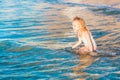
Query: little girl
(84, 36)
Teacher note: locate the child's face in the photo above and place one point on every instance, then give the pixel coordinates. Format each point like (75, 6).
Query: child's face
(76, 26)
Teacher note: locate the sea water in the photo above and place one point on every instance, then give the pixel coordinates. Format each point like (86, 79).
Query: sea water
(34, 33)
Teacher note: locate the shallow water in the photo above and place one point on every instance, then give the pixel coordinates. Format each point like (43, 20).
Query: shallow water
(34, 34)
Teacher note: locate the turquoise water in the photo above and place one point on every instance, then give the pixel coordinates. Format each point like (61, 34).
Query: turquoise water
(34, 33)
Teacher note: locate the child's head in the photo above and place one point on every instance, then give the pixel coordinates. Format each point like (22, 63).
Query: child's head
(78, 24)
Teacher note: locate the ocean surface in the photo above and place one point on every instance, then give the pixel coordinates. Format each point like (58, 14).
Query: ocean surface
(35, 33)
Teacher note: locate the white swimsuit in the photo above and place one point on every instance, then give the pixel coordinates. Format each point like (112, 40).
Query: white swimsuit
(92, 42)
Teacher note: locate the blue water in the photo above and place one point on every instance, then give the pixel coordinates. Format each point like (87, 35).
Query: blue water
(34, 33)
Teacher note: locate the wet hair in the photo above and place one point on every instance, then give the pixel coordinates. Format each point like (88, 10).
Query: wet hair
(82, 22)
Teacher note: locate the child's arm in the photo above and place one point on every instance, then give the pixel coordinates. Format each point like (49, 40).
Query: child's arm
(78, 43)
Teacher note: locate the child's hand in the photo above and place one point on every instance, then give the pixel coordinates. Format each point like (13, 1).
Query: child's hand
(76, 45)
(73, 47)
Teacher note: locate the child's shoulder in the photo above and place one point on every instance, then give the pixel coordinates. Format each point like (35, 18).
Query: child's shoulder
(86, 34)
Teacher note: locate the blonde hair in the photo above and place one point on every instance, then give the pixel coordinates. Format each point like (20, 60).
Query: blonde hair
(82, 22)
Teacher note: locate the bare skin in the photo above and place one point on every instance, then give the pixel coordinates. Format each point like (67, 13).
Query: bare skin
(83, 36)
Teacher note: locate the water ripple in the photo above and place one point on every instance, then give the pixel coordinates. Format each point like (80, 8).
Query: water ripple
(34, 34)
